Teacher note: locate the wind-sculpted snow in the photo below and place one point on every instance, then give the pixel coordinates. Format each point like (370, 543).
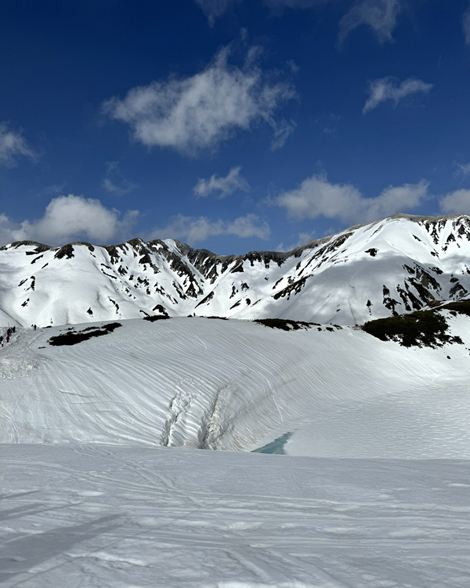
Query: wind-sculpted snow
(394, 266)
(238, 385)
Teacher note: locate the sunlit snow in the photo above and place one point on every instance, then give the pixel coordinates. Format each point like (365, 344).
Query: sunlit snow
(102, 481)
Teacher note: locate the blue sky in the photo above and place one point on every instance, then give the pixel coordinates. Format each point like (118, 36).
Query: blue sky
(232, 125)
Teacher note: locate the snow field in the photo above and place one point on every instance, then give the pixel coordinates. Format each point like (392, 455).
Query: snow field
(88, 499)
(94, 516)
(237, 385)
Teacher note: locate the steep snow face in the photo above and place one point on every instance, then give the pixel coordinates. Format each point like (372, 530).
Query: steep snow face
(392, 266)
(237, 385)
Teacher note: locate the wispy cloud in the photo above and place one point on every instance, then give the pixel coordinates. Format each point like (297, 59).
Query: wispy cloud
(13, 146)
(68, 218)
(463, 169)
(390, 89)
(225, 186)
(282, 131)
(197, 229)
(115, 182)
(317, 197)
(466, 25)
(201, 111)
(457, 202)
(214, 9)
(379, 15)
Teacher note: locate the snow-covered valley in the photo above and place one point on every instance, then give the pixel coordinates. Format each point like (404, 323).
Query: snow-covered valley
(103, 481)
(238, 385)
(90, 498)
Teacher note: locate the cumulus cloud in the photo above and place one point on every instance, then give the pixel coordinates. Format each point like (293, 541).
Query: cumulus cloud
(389, 88)
(379, 15)
(466, 25)
(214, 9)
(68, 218)
(457, 202)
(13, 146)
(225, 186)
(201, 111)
(194, 230)
(317, 197)
(115, 182)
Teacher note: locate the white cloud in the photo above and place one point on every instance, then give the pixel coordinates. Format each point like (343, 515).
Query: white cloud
(389, 89)
(379, 15)
(67, 218)
(193, 230)
(466, 25)
(317, 197)
(225, 186)
(457, 202)
(12, 146)
(214, 9)
(115, 182)
(201, 111)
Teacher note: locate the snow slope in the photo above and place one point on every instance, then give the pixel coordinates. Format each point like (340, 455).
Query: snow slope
(120, 517)
(370, 271)
(101, 483)
(238, 385)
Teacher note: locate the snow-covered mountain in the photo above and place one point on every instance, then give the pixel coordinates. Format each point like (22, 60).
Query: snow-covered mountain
(395, 265)
(93, 496)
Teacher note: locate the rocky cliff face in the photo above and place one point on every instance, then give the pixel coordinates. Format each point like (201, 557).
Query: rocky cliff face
(396, 265)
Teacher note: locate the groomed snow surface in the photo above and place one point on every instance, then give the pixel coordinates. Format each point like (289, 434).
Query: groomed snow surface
(102, 485)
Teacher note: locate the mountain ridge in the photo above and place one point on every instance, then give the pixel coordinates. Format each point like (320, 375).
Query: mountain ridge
(395, 265)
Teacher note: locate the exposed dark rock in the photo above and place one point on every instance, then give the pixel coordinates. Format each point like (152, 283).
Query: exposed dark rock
(295, 288)
(72, 337)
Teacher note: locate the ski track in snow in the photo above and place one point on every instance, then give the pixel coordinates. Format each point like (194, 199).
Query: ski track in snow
(121, 517)
(341, 393)
(106, 507)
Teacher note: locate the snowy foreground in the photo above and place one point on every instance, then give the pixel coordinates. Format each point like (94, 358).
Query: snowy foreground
(103, 516)
(102, 483)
